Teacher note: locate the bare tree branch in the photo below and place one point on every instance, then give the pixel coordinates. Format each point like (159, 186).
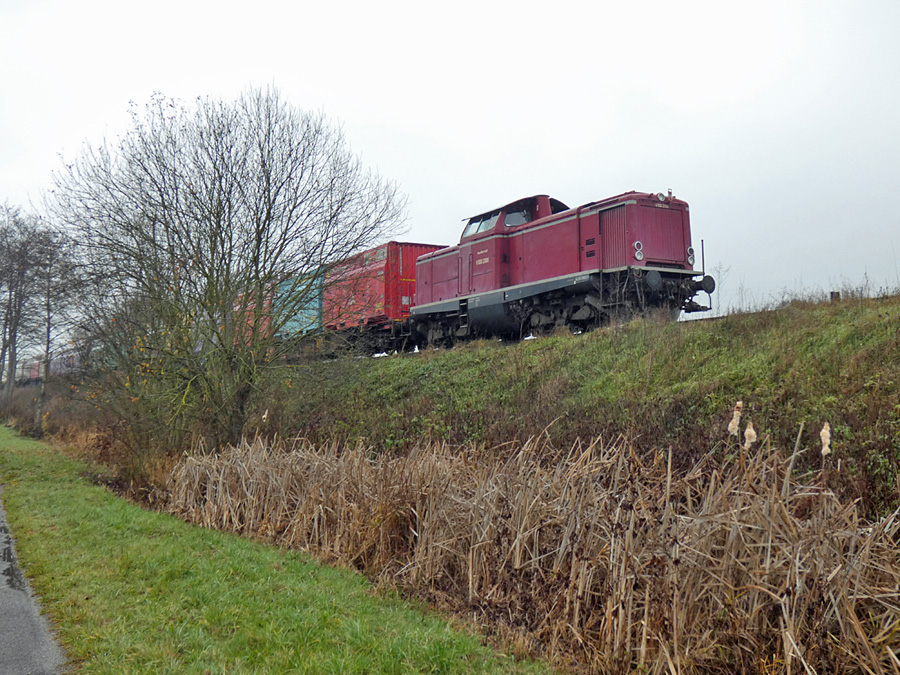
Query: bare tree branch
(206, 232)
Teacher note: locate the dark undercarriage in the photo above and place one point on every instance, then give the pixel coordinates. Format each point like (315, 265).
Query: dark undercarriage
(580, 303)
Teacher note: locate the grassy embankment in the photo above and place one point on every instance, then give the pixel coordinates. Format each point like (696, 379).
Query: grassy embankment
(670, 389)
(131, 591)
(664, 385)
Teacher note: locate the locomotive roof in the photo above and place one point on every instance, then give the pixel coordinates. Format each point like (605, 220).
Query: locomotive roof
(633, 194)
(555, 206)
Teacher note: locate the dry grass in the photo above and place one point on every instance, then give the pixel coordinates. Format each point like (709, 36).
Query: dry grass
(598, 558)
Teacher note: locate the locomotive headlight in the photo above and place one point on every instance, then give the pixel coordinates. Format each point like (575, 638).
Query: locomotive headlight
(690, 257)
(638, 255)
(638, 251)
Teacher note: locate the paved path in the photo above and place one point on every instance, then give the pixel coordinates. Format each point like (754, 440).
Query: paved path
(26, 645)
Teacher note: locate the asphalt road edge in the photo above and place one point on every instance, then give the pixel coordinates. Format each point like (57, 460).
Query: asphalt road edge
(27, 643)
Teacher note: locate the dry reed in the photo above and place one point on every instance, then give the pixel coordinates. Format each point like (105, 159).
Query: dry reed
(597, 557)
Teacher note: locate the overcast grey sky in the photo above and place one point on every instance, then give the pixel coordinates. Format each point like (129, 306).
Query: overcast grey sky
(779, 122)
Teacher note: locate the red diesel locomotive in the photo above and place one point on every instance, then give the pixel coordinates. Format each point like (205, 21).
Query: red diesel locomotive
(536, 264)
(530, 266)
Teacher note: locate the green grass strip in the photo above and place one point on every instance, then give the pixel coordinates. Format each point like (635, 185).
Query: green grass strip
(131, 591)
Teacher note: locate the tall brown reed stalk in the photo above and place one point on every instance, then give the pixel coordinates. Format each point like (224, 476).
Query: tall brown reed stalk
(600, 559)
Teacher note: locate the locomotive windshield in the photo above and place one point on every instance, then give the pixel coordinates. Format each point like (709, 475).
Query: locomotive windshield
(516, 213)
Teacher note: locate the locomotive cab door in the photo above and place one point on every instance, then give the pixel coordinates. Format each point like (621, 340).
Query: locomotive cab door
(480, 259)
(489, 264)
(589, 236)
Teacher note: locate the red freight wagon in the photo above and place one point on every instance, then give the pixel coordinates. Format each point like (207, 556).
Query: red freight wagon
(250, 320)
(537, 264)
(373, 288)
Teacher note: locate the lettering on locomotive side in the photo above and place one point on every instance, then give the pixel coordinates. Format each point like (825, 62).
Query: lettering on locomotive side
(482, 261)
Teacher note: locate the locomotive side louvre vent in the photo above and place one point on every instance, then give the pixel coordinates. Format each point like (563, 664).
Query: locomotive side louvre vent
(589, 242)
(590, 254)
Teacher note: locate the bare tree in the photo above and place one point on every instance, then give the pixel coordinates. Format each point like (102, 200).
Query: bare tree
(56, 288)
(206, 231)
(38, 281)
(20, 253)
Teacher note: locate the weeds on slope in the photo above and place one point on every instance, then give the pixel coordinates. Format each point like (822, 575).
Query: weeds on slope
(602, 559)
(663, 384)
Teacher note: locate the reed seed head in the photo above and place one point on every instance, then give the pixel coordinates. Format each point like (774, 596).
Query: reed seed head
(749, 436)
(734, 426)
(825, 435)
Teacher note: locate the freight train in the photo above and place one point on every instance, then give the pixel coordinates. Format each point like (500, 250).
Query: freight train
(530, 266)
(30, 370)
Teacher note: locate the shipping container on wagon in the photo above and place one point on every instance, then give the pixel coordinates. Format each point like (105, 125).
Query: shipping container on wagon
(308, 316)
(252, 319)
(301, 297)
(373, 287)
(67, 361)
(28, 370)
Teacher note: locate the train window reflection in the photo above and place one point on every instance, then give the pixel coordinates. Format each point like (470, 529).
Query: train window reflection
(518, 217)
(472, 227)
(488, 222)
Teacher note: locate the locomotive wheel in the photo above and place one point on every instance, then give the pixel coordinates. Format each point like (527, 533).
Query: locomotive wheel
(439, 335)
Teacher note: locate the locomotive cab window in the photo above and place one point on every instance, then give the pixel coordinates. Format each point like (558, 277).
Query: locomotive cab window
(520, 213)
(488, 223)
(480, 224)
(472, 227)
(518, 216)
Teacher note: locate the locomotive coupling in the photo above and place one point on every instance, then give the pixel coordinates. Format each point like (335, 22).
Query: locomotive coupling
(654, 281)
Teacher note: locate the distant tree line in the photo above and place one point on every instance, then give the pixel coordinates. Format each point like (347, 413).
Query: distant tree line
(39, 282)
